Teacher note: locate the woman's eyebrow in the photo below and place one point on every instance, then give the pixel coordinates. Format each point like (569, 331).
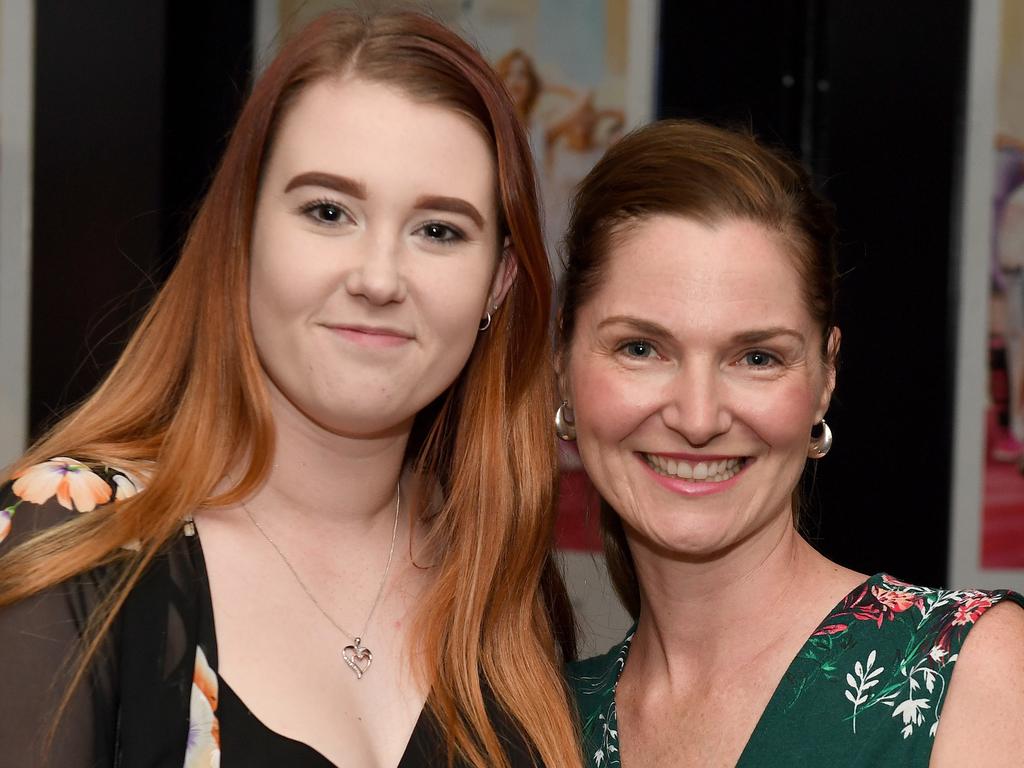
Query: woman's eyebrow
(341, 184)
(765, 334)
(646, 327)
(450, 204)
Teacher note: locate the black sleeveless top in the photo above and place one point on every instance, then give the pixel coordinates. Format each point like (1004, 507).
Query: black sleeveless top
(246, 741)
(151, 698)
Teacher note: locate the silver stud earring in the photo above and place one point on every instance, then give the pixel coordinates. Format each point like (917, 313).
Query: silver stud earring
(820, 443)
(565, 424)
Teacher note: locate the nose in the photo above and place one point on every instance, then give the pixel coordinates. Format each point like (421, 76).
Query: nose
(377, 274)
(696, 404)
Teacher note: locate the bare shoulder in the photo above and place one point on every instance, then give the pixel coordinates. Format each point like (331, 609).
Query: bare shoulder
(981, 719)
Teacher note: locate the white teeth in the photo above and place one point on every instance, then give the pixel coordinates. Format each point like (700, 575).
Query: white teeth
(710, 471)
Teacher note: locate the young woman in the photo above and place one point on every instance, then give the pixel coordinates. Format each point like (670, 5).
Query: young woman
(698, 361)
(307, 518)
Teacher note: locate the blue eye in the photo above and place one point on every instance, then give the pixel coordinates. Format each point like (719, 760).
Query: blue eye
(759, 359)
(441, 233)
(638, 348)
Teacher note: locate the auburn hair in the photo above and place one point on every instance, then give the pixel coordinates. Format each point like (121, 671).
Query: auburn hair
(709, 174)
(497, 617)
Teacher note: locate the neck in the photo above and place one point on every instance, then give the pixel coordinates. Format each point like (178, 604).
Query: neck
(697, 615)
(327, 480)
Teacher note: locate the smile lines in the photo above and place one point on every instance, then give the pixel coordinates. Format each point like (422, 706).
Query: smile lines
(704, 471)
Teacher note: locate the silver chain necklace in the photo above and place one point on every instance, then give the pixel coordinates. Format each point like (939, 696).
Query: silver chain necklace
(357, 656)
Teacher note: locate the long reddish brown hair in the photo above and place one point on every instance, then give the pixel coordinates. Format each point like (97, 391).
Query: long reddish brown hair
(498, 615)
(708, 174)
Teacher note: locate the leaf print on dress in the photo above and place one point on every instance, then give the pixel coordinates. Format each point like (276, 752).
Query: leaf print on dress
(912, 711)
(596, 701)
(867, 678)
(916, 685)
(203, 746)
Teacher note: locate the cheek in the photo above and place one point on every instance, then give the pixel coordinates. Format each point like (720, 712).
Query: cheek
(450, 303)
(608, 407)
(288, 274)
(784, 419)
(597, 403)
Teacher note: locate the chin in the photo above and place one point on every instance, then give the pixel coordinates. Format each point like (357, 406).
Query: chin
(697, 543)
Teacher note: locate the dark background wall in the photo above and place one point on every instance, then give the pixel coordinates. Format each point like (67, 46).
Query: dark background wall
(133, 103)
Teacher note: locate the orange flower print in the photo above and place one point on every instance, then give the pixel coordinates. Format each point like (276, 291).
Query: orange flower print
(895, 600)
(203, 747)
(74, 484)
(970, 610)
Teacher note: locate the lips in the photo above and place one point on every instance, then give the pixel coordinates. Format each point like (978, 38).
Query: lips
(371, 335)
(707, 471)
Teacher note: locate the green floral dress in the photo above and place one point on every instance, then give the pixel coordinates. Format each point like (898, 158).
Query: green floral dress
(866, 689)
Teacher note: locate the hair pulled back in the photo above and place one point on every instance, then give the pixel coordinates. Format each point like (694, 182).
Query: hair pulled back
(708, 174)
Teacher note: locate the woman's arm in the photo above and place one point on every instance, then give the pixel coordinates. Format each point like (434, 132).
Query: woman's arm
(982, 722)
(39, 640)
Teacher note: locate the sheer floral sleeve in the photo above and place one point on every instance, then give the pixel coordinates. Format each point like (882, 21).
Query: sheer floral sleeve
(39, 636)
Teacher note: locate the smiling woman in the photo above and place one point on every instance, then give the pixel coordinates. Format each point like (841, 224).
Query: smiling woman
(698, 360)
(423, 266)
(307, 520)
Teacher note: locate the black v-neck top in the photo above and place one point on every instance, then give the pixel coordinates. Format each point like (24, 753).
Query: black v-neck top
(246, 741)
(151, 698)
(243, 739)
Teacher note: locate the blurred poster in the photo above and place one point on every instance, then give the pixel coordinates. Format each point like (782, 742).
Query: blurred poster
(1002, 536)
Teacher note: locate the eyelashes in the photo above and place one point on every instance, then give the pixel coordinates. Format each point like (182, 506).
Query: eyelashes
(329, 213)
(637, 348)
(645, 349)
(441, 233)
(324, 211)
(760, 358)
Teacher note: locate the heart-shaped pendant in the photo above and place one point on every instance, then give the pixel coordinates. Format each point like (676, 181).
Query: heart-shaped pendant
(358, 658)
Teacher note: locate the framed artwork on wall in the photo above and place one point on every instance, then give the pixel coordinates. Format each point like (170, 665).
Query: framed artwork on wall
(987, 533)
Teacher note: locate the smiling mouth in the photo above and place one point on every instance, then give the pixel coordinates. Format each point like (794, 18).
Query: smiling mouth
(717, 471)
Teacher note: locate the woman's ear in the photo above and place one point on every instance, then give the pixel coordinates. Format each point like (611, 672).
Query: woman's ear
(504, 275)
(831, 363)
